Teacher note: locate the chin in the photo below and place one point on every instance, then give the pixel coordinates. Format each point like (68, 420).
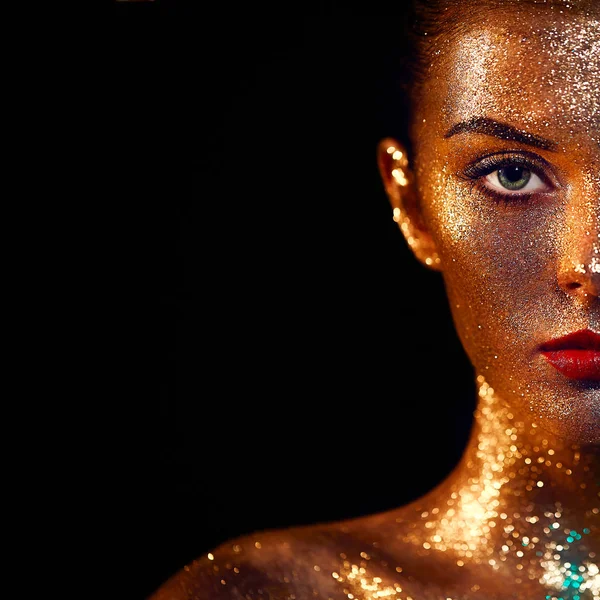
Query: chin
(580, 433)
(573, 418)
(567, 410)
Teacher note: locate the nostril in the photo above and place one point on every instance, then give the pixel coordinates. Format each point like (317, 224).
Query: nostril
(573, 285)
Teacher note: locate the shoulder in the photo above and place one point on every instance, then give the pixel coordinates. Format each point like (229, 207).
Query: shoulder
(361, 558)
(295, 563)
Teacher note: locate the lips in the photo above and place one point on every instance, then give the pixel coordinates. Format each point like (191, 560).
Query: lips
(577, 355)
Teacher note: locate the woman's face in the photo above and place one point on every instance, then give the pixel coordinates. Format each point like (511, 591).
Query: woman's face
(507, 163)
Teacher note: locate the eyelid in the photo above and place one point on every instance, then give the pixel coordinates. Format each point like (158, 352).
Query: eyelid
(484, 165)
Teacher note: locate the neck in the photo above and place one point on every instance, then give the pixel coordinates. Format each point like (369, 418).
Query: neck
(519, 498)
(509, 456)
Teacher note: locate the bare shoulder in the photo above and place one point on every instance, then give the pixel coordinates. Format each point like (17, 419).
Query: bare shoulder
(316, 562)
(371, 557)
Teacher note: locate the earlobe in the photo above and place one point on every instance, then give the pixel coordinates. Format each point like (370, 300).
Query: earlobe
(401, 192)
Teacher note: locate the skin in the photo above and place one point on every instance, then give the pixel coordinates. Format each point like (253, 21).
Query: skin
(519, 516)
(511, 270)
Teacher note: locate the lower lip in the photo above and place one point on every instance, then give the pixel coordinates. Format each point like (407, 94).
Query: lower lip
(576, 364)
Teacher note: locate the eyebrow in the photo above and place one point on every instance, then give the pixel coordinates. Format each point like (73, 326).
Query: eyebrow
(502, 131)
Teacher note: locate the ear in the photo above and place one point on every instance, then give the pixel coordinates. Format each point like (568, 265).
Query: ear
(401, 190)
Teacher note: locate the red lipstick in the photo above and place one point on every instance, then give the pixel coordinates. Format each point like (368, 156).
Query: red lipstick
(577, 355)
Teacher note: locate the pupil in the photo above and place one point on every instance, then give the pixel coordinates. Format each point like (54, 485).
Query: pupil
(514, 174)
(513, 177)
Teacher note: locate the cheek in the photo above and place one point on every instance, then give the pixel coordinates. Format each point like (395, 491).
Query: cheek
(498, 268)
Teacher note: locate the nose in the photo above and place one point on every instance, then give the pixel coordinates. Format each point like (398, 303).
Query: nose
(579, 265)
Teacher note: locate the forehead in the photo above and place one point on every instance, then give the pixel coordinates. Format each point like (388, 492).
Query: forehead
(530, 66)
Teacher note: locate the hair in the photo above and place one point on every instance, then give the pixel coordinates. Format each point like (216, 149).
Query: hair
(403, 56)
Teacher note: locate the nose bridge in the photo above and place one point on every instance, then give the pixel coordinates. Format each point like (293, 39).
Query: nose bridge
(579, 270)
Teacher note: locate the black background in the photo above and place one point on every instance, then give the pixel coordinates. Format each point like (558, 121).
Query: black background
(298, 364)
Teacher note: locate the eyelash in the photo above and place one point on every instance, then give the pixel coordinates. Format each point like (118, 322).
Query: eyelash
(478, 170)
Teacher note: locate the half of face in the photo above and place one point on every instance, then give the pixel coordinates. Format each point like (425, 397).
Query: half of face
(505, 192)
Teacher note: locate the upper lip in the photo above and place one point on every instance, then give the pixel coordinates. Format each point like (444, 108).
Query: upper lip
(585, 339)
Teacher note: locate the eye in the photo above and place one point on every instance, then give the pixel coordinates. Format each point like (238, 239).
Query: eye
(512, 177)
(516, 179)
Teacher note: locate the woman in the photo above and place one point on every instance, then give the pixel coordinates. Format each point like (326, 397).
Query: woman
(496, 185)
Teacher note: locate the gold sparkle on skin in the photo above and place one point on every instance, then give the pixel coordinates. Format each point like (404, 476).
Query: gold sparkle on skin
(522, 508)
(507, 267)
(488, 518)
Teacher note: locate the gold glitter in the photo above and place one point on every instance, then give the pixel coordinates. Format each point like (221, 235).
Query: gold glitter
(542, 79)
(519, 515)
(398, 175)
